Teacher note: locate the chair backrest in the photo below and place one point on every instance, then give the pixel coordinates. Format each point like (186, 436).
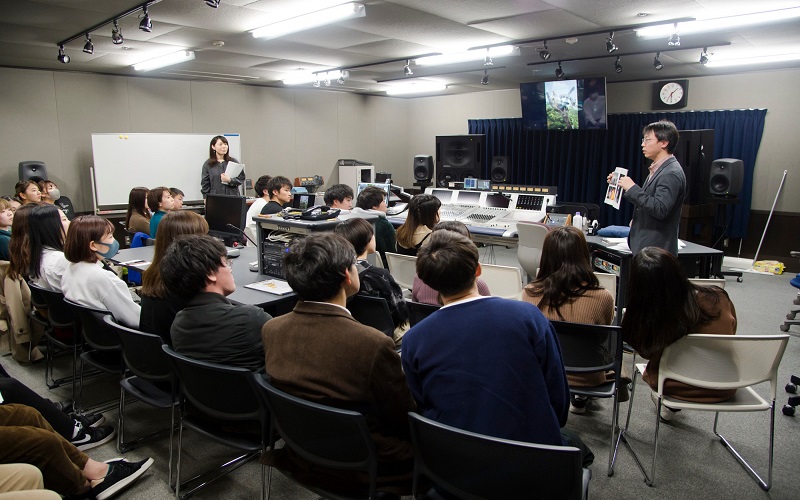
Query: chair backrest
(720, 282)
(723, 361)
(96, 332)
(37, 298)
(503, 281)
(589, 348)
(372, 311)
(403, 268)
(609, 282)
(324, 435)
(142, 352)
(58, 312)
(417, 311)
(219, 391)
(529, 245)
(476, 467)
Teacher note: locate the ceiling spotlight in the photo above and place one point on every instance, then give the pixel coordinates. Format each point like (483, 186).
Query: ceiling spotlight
(559, 71)
(485, 79)
(487, 61)
(340, 81)
(544, 53)
(704, 56)
(617, 66)
(657, 62)
(213, 3)
(116, 34)
(407, 68)
(146, 24)
(610, 47)
(88, 47)
(316, 83)
(62, 57)
(675, 39)
(327, 82)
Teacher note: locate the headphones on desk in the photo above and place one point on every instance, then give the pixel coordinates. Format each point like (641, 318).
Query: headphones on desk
(318, 212)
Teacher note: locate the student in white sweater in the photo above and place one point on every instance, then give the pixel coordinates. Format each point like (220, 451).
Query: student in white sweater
(86, 281)
(262, 198)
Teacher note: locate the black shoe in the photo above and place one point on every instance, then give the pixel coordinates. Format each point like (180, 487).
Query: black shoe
(92, 437)
(89, 419)
(121, 474)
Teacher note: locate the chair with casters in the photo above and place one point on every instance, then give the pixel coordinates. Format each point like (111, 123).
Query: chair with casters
(403, 268)
(218, 396)
(708, 282)
(476, 467)
(323, 435)
(718, 362)
(372, 311)
(417, 311)
(594, 348)
(503, 281)
(791, 317)
(529, 246)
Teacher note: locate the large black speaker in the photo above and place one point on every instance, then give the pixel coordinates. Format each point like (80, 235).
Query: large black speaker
(499, 171)
(694, 152)
(726, 177)
(458, 157)
(33, 170)
(423, 168)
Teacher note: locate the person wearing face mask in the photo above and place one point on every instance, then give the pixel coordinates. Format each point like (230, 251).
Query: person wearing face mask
(52, 195)
(86, 281)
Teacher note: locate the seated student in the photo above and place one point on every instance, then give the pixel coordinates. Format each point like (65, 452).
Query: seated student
(566, 289)
(44, 259)
(262, 197)
(89, 240)
(375, 282)
(484, 364)
(280, 195)
(664, 306)
(318, 352)
(160, 201)
(27, 191)
(339, 196)
(14, 204)
(210, 327)
(6, 219)
(137, 219)
(420, 292)
(159, 303)
(372, 200)
(423, 214)
(177, 197)
(28, 438)
(52, 195)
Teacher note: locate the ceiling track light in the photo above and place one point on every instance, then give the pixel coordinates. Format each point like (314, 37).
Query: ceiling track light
(617, 66)
(88, 47)
(657, 62)
(407, 68)
(704, 56)
(146, 24)
(62, 57)
(213, 3)
(116, 34)
(544, 53)
(485, 79)
(559, 71)
(610, 46)
(674, 39)
(487, 61)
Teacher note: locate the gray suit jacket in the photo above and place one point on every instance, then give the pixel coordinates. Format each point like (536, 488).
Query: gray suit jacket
(658, 209)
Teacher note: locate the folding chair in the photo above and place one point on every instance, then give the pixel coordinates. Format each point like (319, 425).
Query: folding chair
(418, 311)
(372, 311)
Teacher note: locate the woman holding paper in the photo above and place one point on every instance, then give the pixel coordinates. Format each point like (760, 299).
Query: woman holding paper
(214, 179)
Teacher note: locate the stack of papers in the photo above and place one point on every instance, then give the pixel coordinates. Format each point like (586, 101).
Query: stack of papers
(275, 287)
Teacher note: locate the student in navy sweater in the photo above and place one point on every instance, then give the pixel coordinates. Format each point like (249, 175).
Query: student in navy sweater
(484, 364)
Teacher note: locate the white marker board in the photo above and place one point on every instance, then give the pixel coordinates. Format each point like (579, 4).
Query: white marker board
(124, 161)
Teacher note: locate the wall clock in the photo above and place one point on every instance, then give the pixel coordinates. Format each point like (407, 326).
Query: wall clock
(670, 94)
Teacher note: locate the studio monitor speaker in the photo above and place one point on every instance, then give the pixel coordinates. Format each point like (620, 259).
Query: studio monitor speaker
(499, 171)
(458, 157)
(726, 177)
(423, 168)
(33, 170)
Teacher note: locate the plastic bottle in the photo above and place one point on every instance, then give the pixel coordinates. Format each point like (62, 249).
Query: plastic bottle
(577, 221)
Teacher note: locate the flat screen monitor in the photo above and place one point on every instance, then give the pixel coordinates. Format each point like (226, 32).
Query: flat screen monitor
(364, 185)
(484, 184)
(444, 195)
(470, 183)
(304, 200)
(469, 197)
(564, 104)
(222, 210)
(496, 200)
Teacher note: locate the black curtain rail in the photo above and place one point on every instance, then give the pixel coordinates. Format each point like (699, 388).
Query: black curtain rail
(637, 53)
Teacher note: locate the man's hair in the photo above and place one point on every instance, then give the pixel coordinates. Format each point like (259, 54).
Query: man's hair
(357, 231)
(453, 225)
(447, 262)
(83, 230)
(315, 265)
(261, 185)
(370, 197)
(154, 197)
(338, 192)
(188, 262)
(664, 130)
(176, 192)
(276, 183)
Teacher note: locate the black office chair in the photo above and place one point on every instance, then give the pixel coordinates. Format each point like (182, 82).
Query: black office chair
(476, 467)
(327, 436)
(417, 311)
(594, 348)
(372, 311)
(218, 395)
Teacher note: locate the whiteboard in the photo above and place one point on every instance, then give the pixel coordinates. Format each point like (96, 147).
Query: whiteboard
(124, 161)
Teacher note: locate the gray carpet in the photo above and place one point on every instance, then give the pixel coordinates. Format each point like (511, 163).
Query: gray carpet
(692, 463)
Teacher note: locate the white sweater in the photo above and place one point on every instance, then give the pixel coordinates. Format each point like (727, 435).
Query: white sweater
(51, 269)
(250, 224)
(91, 285)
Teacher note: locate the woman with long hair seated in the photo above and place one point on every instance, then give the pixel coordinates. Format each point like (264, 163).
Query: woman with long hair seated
(423, 214)
(566, 289)
(664, 306)
(137, 220)
(159, 303)
(46, 233)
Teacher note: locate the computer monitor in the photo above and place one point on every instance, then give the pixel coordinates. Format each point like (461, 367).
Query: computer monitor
(468, 197)
(305, 200)
(222, 210)
(496, 200)
(364, 185)
(444, 195)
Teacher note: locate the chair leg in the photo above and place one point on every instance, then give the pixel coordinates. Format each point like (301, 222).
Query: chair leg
(171, 439)
(648, 478)
(121, 420)
(178, 467)
(765, 485)
(612, 451)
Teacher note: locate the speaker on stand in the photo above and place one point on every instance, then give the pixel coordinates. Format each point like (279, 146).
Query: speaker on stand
(458, 157)
(33, 170)
(725, 180)
(423, 170)
(500, 169)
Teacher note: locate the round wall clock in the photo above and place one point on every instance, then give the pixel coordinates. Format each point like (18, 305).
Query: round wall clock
(671, 94)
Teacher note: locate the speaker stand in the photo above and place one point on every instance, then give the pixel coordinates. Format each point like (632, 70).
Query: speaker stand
(423, 184)
(720, 225)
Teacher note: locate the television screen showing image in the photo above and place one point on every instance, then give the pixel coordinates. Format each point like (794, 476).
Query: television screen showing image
(564, 104)
(561, 104)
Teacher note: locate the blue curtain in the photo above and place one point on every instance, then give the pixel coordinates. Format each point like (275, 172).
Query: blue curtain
(577, 162)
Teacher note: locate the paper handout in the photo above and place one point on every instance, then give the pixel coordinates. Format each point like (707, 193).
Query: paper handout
(614, 192)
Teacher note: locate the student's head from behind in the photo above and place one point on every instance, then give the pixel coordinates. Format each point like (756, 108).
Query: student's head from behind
(452, 225)
(172, 226)
(197, 263)
(319, 266)
(177, 198)
(6, 214)
(49, 190)
(662, 131)
(372, 198)
(448, 263)
(89, 239)
(160, 199)
(339, 196)
(45, 229)
(19, 247)
(28, 192)
(261, 186)
(280, 190)
(424, 210)
(657, 279)
(359, 233)
(565, 250)
(218, 148)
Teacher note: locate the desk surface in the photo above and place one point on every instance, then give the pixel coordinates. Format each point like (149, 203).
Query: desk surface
(689, 249)
(241, 275)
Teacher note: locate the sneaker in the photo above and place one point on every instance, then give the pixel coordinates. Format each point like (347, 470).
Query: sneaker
(121, 474)
(89, 419)
(92, 437)
(578, 404)
(667, 414)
